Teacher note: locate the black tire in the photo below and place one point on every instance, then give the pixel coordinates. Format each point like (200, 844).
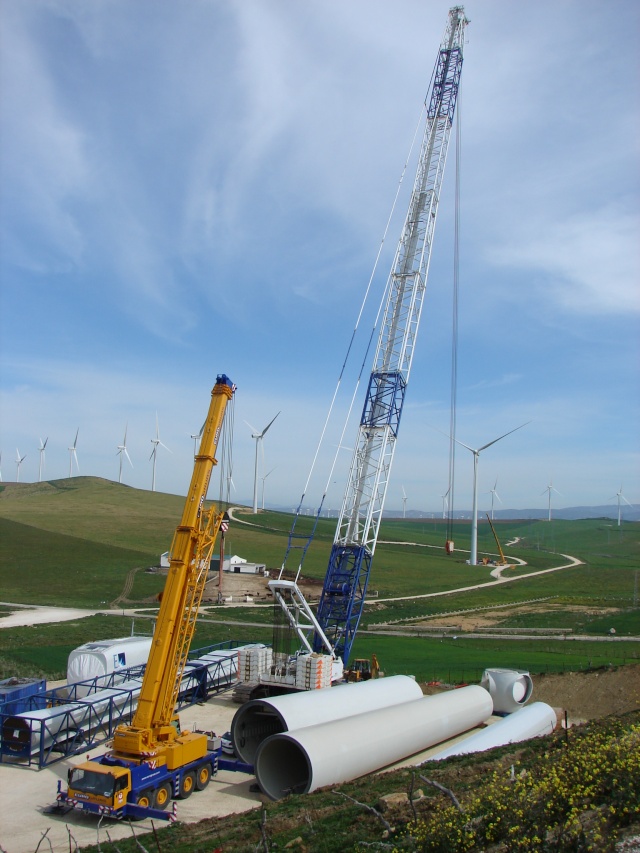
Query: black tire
(146, 798)
(162, 796)
(187, 784)
(203, 776)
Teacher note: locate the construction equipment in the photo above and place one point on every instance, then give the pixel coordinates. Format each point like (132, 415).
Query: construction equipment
(152, 760)
(345, 585)
(503, 561)
(362, 669)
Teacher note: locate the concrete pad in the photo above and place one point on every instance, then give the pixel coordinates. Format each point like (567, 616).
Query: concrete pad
(25, 793)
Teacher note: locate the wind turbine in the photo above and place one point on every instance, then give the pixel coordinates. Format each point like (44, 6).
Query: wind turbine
(550, 488)
(494, 494)
(263, 479)
(404, 503)
(473, 557)
(196, 436)
(154, 453)
(41, 464)
(445, 502)
(620, 497)
(258, 437)
(1, 480)
(19, 461)
(73, 455)
(122, 451)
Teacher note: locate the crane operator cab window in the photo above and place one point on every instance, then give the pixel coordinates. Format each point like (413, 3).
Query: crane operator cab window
(90, 782)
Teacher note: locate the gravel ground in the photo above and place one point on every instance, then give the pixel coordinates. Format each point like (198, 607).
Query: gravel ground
(25, 793)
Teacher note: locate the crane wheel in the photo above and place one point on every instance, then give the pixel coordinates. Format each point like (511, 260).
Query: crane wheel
(146, 799)
(187, 785)
(203, 776)
(162, 796)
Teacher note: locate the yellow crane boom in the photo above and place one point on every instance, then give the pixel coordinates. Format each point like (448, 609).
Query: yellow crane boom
(153, 724)
(503, 561)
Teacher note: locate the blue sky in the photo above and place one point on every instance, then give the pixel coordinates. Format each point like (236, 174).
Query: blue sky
(202, 187)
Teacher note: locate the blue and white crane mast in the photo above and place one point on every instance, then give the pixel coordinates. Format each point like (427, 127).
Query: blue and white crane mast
(347, 576)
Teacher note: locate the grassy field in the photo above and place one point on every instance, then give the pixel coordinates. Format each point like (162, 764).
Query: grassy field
(75, 542)
(41, 651)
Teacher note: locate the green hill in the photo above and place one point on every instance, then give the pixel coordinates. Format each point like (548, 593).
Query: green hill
(85, 541)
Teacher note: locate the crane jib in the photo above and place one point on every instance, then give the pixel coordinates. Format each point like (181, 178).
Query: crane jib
(347, 576)
(445, 86)
(383, 405)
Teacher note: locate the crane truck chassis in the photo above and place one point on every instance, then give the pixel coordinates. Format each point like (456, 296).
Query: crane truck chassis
(152, 760)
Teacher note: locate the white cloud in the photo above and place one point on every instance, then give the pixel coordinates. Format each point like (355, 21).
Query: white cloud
(588, 263)
(45, 165)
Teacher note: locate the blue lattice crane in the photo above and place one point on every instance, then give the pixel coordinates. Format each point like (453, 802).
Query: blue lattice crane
(345, 584)
(333, 628)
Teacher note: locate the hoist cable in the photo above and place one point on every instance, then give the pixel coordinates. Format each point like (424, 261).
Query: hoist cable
(344, 365)
(454, 333)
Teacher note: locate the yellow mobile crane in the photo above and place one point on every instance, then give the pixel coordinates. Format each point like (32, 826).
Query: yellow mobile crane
(152, 760)
(503, 561)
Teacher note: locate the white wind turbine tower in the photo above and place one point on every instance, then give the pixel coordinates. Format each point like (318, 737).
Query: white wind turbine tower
(258, 437)
(19, 461)
(1, 480)
(154, 453)
(473, 556)
(41, 463)
(196, 436)
(73, 455)
(494, 494)
(550, 488)
(122, 451)
(620, 497)
(404, 503)
(445, 503)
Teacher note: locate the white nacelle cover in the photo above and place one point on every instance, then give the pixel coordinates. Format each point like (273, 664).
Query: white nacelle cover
(106, 656)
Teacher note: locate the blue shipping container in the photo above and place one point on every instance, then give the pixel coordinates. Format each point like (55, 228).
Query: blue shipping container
(15, 694)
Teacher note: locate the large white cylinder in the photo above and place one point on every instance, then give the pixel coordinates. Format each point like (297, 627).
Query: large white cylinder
(338, 751)
(536, 720)
(510, 689)
(260, 718)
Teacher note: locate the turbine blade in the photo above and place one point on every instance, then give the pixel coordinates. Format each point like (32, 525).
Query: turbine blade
(267, 426)
(484, 446)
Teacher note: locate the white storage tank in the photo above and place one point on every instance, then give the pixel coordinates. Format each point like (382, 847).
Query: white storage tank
(106, 656)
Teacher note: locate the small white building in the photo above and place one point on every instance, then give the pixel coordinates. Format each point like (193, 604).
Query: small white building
(235, 564)
(238, 565)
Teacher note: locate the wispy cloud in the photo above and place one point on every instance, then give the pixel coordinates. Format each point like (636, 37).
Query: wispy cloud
(498, 382)
(587, 263)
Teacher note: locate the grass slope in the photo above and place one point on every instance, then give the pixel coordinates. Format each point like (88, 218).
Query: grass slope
(41, 567)
(76, 541)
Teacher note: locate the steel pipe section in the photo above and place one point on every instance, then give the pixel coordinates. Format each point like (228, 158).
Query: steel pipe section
(536, 720)
(305, 759)
(510, 689)
(260, 718)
